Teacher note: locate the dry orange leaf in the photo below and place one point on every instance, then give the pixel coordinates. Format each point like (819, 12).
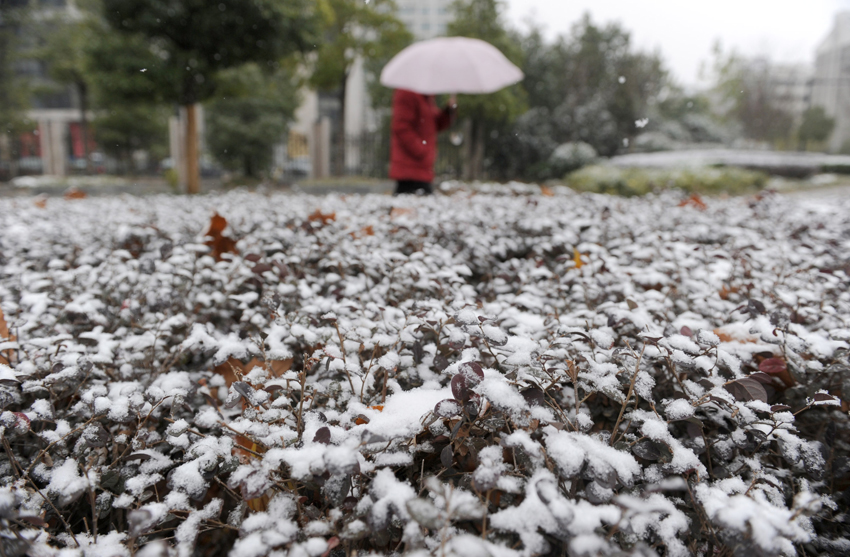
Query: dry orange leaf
(726, 290)
(259, 504)
(726, 336)
(319, 216)
(365, 231)
(547, 191)
(361, 419)
(4, 328)
(218, 242)
(397, 212)
(40, 202)
(217, 225)
(229, 368)
(75, 193)
(694, 200)
(6, 356)
(577, 258)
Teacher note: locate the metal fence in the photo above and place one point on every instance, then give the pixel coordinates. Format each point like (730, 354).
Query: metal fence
(368, 155)
(364, 155)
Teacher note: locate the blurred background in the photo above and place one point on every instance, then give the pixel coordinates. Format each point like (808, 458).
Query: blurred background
(285, 91)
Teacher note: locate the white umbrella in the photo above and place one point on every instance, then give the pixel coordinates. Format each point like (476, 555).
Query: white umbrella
(450, 65)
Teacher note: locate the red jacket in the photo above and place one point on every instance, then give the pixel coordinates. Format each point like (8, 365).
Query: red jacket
(413, 141)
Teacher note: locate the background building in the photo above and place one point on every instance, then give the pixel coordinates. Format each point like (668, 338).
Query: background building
(792, 87)
(425, 18)
(831, 84)
(55, 145)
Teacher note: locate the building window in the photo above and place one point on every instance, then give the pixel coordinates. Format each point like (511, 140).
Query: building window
(425, 11)
(441, 27)
(426, 26)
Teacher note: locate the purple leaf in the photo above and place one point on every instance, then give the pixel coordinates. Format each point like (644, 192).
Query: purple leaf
(472, 372)
(747, 389)
(323, 435)
(446, 456)
(447, 408)
(460, 388)
(534, 396)
(773, 366)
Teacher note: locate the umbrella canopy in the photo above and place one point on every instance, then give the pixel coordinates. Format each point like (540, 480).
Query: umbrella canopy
(450, 65)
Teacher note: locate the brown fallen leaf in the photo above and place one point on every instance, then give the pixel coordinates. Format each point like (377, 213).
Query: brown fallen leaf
(695, 201)
(727, 290)
(232, 366)
(6, 356)
(40, 202)
(577, 258)
(218, 242)
(730, 336)
(547, 191)
(365, 231)
(397, 212)
(4, 328)
(361, 419)
(74, 193)
(319, 216)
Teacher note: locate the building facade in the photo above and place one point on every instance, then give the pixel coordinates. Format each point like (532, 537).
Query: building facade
(426, 19)
(792, 88)
(831, 82)
(55, 146)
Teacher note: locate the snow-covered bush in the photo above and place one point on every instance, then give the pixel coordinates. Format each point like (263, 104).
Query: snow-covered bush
(504, 373)
(571, 156)
(654, 141)
(639, 181)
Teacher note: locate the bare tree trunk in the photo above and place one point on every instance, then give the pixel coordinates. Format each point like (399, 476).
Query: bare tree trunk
(478, 151)
(84, 124)
(466, 151)
(193, 176)
(473, 150)
(339, 164)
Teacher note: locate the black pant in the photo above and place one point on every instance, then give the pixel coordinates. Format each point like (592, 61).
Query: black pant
(413, 186)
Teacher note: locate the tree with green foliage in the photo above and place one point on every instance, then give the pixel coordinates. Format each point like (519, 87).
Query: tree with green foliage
(609, 86)
(352, 30)
(190, 41)
(251, 112)
(486, 115)
(815, 127)
(13, 90)
(124, 128)
(589, 86)
(746, 90)
(130, 114)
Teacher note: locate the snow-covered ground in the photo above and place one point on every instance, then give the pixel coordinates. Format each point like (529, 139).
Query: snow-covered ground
(496, 372)
(802, 161)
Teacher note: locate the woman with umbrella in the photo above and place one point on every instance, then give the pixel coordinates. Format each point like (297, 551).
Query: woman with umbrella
(413, 144)
(436, 66)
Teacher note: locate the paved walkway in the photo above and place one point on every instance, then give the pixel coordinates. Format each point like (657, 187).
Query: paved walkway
(103, 185)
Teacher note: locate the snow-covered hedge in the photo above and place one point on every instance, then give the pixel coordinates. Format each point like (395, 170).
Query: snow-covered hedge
(473, 374)
(614, 179)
